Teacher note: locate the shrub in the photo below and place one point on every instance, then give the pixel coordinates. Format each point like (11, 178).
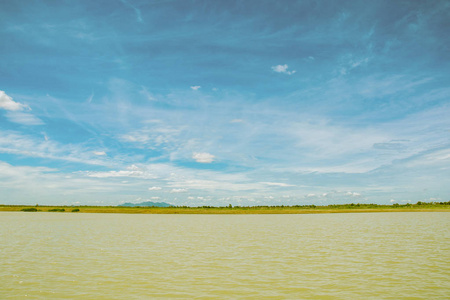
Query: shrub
(57, 209)
(75, 210)
(29, 209)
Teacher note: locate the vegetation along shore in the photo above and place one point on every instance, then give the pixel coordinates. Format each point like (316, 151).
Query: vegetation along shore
(295, 209)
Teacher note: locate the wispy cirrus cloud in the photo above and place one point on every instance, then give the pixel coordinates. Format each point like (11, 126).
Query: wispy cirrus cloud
(39, 184)
(155, 136)
(136, 10)
(130, 171)
(23, 118)
(29, 146)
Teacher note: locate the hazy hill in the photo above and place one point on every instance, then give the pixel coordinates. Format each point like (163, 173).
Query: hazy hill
(147, 203)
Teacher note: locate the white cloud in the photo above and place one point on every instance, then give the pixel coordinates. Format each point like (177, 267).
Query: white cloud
(203, 157)
(115, 174)
(195, 87)
(7, 103)
(154, 188)
(101, 153)
(353, 194)
(283, 69)
(15, 111)
(9, 171)
(277, 184)
(180, 179)
(178, 190)
(280, 68)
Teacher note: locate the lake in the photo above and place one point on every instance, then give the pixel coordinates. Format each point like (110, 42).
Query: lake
(317, 256)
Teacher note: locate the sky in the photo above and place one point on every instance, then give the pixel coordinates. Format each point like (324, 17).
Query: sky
(213, 102)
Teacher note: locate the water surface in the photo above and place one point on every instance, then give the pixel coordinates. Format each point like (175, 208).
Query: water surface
(320, 256)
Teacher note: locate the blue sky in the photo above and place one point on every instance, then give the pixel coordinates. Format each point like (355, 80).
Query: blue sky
(218, 102)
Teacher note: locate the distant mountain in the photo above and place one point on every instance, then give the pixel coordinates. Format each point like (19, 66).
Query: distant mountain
(147, 204)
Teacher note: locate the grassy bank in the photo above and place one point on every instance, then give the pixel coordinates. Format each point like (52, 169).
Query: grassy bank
(307, 209)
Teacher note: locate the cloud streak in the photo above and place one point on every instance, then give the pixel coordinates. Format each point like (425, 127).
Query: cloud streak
(23, 118)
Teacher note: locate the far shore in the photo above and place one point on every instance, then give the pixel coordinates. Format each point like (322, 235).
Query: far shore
(306, 209)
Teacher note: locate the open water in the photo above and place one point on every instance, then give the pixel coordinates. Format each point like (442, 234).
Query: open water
(129, 256)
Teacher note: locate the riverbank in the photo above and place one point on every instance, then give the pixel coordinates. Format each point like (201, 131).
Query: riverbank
(308, 209)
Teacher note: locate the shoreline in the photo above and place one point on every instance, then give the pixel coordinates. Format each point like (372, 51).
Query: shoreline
(231, 210)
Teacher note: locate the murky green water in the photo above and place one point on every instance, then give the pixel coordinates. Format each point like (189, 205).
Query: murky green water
(332, 256)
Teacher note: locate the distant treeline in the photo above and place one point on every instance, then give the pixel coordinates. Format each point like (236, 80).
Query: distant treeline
(332, 206)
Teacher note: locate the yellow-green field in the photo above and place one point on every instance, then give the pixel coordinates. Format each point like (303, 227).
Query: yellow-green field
(311, 209)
